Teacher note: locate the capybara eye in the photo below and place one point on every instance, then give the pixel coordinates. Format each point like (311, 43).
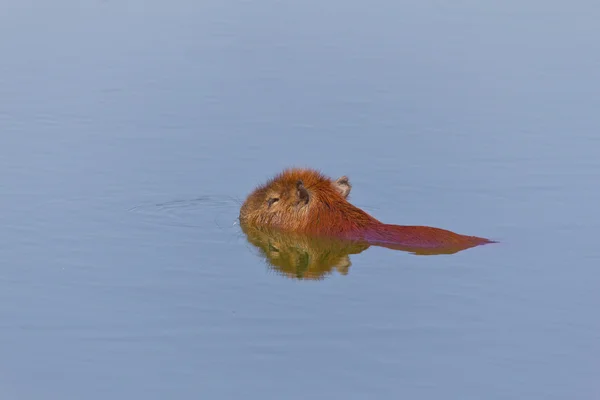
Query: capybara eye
(272, 200)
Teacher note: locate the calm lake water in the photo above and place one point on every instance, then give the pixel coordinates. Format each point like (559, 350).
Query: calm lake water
(131, 131)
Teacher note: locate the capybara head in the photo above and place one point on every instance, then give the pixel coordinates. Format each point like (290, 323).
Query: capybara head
(303, 200)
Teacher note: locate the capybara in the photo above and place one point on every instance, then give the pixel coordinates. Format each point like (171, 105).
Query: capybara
(306, 201)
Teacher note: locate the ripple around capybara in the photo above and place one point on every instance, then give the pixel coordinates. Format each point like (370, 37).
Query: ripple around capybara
(308, 202)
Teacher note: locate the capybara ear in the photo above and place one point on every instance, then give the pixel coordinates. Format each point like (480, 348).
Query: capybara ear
(301, 192)
(343, 186)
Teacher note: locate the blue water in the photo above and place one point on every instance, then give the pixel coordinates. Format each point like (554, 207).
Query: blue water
(131, 131)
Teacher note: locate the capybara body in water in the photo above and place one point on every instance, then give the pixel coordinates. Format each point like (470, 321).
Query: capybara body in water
(306, 201)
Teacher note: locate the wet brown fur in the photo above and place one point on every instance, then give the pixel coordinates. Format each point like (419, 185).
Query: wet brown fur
(306, 201)
(326, 212)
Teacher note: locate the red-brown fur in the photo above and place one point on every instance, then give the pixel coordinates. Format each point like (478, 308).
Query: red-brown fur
(306, 201)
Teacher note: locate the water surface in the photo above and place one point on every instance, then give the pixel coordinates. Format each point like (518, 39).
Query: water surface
(130, 132)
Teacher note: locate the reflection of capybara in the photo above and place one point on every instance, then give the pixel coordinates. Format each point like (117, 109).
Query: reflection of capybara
(305, 201)
(302, 256)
